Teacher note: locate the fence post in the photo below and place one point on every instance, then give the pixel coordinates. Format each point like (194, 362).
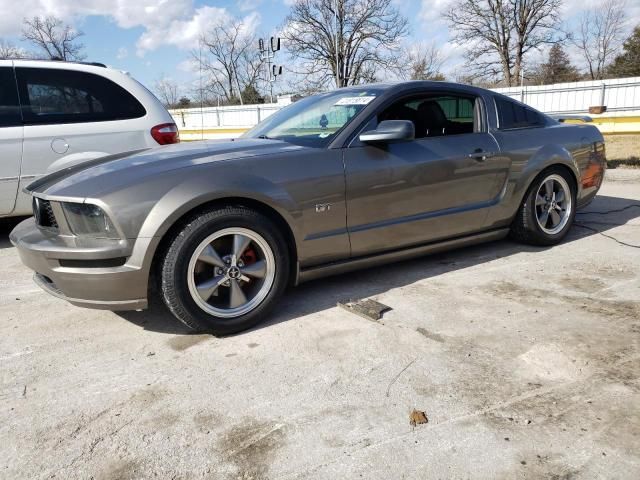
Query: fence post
(602, 92)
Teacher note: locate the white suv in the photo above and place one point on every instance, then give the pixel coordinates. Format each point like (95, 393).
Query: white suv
(55, 114)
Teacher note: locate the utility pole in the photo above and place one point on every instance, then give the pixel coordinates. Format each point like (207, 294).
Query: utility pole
(268, 53)
(201, 93)
(335, 19)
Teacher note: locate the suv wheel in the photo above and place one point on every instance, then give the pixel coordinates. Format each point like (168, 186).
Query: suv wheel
(224, 270)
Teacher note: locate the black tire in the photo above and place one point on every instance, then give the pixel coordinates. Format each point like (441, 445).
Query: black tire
(174, 271)
(525, 227)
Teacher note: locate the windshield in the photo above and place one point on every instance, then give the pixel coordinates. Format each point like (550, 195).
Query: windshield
(314, 121)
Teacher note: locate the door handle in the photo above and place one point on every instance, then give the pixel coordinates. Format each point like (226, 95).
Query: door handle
(481, 156)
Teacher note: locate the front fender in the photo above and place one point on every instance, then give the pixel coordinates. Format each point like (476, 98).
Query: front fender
(193, 193)
(199, 189)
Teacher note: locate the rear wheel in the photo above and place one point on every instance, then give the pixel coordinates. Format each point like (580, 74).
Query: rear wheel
(224, 270)
(548, 209)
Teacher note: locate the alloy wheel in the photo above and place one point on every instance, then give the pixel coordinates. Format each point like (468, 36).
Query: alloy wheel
(553, 204)
(231, 272)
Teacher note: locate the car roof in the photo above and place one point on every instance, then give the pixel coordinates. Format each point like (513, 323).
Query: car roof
(408, 85)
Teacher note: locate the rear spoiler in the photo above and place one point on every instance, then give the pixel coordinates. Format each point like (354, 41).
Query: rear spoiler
(564, 118)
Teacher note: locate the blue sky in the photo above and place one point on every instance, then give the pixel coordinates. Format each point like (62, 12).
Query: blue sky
(152, 38)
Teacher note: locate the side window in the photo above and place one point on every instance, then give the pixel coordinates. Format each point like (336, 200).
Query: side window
(67, 96)
(9, 106)
(513, 115)
(436, 115)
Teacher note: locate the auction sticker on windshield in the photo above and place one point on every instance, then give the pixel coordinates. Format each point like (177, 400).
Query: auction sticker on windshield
(354, 100)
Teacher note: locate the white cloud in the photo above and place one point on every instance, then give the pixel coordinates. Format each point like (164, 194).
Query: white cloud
(165, 22)
(125, 13)
(432, 10)
(122, 53)
(189, 65)
(182, 32)
(248, 5)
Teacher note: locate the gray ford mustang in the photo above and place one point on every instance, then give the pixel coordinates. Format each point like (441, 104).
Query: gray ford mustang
(337, 181)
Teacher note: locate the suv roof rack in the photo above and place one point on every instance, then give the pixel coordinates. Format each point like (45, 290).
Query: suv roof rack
(94, 64)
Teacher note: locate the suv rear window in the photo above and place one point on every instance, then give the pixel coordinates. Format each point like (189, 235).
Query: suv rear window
(67, 96)
(9, 106)
(514, 115)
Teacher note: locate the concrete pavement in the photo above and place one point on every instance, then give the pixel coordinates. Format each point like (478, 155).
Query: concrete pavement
(525, 360)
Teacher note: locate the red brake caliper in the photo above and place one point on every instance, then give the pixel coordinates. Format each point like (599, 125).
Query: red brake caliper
(249, 256)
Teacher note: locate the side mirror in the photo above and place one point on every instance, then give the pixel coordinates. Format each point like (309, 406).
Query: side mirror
(390, 131)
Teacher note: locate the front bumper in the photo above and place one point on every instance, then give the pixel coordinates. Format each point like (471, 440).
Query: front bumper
(80, 272)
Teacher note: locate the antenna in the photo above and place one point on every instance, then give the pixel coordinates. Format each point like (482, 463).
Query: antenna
(275, 44)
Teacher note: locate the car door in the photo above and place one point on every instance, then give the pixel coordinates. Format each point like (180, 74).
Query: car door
(11, 133)
(437, 186)
(72, 116)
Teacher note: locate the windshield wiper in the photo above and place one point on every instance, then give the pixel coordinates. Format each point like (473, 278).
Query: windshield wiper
(265, 137)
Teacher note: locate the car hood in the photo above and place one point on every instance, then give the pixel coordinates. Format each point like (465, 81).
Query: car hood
(90, 178)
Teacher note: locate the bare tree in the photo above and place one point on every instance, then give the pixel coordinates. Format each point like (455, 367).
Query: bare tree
(347, 41)
(167, 91)
(9, 50)
(231, 59)
(422, 62)
(500, 33)
(600, 35)
(53, 38)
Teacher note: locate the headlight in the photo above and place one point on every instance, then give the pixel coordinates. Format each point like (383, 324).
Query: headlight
(89, 220)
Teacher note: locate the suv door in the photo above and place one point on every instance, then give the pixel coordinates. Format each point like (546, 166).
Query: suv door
(11, 132)
(437, 186)
(73, 115)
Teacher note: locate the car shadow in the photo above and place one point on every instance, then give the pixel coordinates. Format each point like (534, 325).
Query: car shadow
(603, 214)
(6, 225)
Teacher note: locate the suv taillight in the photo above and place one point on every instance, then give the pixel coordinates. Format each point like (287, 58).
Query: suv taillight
(166, 133)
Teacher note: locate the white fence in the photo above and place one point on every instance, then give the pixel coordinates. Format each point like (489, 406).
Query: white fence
(218, 117)
(227, 120)
(620, 96)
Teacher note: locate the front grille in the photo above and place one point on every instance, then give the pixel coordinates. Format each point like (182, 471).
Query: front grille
(43, 213)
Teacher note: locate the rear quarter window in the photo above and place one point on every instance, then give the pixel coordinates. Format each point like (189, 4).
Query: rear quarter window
(9, 105)
(67, 96)
(513, 115)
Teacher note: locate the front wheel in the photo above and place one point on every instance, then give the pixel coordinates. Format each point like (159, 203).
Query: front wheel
(548, 209)
(224, 270)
